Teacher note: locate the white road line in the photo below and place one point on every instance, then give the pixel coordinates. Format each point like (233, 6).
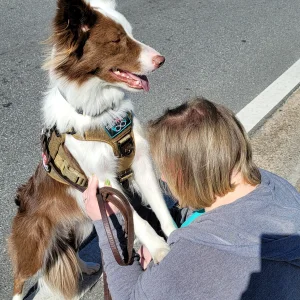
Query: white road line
(256, 112)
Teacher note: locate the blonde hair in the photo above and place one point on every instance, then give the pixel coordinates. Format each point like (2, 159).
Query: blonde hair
(197, 146)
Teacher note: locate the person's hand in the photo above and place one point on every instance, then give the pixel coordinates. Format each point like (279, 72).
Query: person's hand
(145, 257)
(91, 203)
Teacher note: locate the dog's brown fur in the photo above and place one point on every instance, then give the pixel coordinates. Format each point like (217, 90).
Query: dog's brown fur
(43, 234)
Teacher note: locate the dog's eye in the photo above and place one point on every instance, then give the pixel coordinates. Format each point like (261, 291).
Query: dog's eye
(116, 40)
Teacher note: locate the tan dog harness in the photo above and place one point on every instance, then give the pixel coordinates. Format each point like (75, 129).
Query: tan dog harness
(57, 158)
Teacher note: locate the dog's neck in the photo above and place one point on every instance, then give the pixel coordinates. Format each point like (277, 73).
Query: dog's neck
(99, 103)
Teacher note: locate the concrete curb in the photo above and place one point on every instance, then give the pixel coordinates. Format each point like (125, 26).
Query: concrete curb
(254, 114)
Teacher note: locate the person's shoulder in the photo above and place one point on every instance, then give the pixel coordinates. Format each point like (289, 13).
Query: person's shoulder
(270, 178)
(279, 186)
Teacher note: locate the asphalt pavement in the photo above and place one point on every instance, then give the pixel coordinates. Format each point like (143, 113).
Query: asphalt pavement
(227, 51)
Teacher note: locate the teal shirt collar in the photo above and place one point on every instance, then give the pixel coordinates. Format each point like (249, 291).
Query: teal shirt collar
(192, 217)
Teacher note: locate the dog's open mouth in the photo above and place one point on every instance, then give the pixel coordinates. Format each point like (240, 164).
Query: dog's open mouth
(135, 81)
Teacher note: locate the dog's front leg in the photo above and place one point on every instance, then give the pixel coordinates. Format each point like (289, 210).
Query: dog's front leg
(145, 178)
(156, 245)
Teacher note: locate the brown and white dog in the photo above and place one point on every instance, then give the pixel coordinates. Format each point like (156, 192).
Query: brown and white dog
(94, 60)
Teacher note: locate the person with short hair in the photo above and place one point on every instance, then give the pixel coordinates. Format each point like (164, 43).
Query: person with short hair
(241, 240)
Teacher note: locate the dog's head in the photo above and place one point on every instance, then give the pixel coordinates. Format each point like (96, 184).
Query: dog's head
(92, 40)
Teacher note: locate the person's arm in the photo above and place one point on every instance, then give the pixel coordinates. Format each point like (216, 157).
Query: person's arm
(122, 280)
(125, 282)
(158, 281)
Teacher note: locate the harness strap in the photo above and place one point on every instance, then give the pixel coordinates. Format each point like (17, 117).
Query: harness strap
(67, 170)
(57, 154)
(122, 144)
(102, 136)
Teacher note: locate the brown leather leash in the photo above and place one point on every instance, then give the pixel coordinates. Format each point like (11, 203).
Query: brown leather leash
(109, 194)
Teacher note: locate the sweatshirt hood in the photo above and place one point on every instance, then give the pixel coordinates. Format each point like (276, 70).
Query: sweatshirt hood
(265, 223)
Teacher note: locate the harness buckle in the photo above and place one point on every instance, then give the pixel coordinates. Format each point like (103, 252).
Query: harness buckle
(126, 145)
(64, 167)
(81, 181)
(72, 174)
(125, 175)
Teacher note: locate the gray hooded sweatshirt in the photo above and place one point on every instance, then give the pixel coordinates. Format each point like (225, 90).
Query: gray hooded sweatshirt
(249, 249)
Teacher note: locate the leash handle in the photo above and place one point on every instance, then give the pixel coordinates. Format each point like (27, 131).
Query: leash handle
(109, 194)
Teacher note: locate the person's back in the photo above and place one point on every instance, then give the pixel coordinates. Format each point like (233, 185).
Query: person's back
(249, 249)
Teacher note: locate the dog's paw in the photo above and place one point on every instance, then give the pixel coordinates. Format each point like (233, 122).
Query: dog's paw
(89, 268)
(160, 254)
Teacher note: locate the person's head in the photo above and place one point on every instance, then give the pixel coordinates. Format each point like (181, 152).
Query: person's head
(197, 147)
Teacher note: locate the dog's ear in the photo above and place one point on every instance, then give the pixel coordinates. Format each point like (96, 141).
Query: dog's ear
(72, 23)
(74, 15)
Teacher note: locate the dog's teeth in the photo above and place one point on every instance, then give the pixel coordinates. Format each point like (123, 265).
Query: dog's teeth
(117, 72)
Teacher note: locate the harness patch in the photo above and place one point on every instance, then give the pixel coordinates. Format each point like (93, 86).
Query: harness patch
(118, 126)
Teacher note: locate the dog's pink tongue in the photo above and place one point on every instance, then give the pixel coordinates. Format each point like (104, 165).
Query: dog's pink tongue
(145, 83)
(140, 81)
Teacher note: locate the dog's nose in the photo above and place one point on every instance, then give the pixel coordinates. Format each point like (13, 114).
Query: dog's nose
(158, 61)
